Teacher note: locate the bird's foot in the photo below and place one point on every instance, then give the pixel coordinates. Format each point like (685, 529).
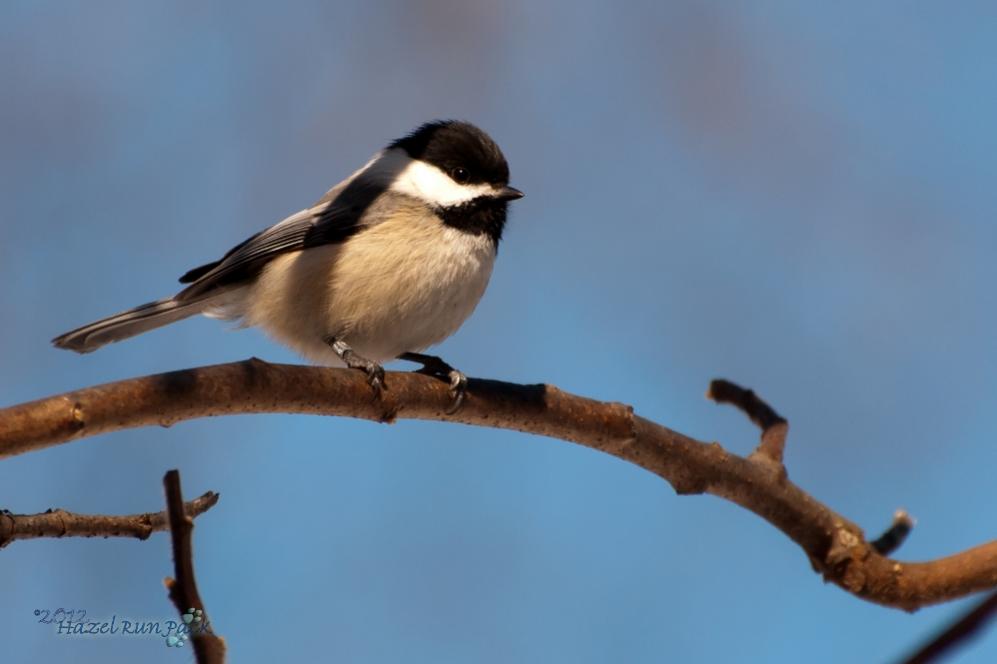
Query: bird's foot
(437, 368)
(374, 371)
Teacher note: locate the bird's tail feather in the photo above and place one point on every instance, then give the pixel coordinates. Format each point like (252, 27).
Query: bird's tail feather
(130, 323)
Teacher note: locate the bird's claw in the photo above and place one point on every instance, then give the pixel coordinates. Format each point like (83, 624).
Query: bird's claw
(458, 389)
(375, 378)
(437, 368)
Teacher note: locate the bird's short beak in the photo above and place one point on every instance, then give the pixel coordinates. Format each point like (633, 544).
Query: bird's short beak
(508, 194)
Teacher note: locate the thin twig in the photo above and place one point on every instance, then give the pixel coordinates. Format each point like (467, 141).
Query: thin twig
(208, 648)
(774, 426)
(835, 545)
(966, 627)
(894, 536)
(60, 523)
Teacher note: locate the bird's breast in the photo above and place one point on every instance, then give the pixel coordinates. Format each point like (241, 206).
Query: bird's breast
(401, 285)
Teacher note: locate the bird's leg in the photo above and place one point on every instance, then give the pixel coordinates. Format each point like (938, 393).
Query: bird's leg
(434, 366)
(374, 371)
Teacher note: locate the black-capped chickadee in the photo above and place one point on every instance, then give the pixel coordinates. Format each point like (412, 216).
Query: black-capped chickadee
(389, 262)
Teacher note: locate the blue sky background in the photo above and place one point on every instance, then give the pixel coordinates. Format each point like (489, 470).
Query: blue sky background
(795, 196)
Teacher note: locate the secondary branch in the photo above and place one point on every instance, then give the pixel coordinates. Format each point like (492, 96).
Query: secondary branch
(60, 523)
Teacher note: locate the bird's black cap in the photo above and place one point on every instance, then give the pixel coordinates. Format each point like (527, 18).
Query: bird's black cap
(452, 144)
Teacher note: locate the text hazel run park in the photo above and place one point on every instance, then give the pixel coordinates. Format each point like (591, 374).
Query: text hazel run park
(115, 626)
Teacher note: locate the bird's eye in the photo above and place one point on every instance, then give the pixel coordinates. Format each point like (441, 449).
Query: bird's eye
(460, 175)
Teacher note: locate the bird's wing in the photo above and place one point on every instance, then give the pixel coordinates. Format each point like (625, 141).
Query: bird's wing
(332, 220)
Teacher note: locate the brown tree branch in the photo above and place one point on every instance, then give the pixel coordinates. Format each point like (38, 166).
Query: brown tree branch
(60, 523)
(836, 547)
(208, 647)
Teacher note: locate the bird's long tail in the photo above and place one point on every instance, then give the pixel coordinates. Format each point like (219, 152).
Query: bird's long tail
(131, 322)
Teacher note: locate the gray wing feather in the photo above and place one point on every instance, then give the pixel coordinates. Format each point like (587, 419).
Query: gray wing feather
(343, 211)
(246, 259)
(331, 221)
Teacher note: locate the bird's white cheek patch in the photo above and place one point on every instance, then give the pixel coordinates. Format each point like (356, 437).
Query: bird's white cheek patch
(429, 183)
